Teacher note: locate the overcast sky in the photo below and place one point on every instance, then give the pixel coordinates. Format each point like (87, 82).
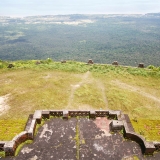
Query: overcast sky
(22, 8)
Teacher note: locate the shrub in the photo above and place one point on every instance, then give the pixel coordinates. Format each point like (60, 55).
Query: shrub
(49, 60)
(150, 67)
(1, 65)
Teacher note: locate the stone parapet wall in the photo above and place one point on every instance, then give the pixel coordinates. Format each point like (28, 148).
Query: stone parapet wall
(11, 146)
(78, 113)
(31, 130)
(56, 113)
(119, 122)
(147, 147)
(102, 113)
(29, 121)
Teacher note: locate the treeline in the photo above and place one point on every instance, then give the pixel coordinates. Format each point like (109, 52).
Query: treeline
(128, 40)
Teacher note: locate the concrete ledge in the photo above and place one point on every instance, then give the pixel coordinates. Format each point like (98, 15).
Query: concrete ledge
(20, 138)
(32, 129)
(127, 123)
(28, 124)
(38, 116)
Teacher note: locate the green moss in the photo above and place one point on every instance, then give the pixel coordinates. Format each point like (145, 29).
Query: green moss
(10, 128)
(132, 157)
(76, 138)
(83, 141)
(150, 129)
(40, 125)
(2, 154)
(21, 145)
(135, 158)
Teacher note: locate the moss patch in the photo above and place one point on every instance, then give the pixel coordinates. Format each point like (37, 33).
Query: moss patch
(10, 128)
(150, 129)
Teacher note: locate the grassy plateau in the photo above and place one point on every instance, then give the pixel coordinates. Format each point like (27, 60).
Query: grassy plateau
(45, 84)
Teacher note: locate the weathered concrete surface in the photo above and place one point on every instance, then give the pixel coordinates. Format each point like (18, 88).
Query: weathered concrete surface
(56, 140)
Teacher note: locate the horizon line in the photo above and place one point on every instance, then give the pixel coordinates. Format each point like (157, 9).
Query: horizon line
(18, 16)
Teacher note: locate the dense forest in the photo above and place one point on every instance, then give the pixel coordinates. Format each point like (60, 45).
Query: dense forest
(129, 40)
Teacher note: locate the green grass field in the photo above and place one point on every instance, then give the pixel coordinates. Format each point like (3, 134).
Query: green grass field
(76, 85)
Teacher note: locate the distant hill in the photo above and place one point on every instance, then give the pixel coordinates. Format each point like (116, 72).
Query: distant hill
(128, 39)
(153, 14)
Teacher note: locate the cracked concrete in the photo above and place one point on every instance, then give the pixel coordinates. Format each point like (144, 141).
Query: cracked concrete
(57, 140)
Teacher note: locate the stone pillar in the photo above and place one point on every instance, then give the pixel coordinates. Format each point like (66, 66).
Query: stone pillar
(38, 116)
(116, 125)
(149, 148)
(63, 61)
(65, 115)
(90, 61)
(115, 63)
(141, 65)
(46, 114)
(9, 148)
(157, 145)
(92, 114)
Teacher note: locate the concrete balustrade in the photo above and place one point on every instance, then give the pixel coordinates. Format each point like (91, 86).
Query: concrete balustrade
(120, 121)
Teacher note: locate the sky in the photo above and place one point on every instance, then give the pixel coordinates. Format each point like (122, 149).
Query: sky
(21, 8)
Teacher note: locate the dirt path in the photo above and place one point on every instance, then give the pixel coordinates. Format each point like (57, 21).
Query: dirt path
(87, 78)
(84, 80)
(3, 104)
(135, 89)
(102, 89)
